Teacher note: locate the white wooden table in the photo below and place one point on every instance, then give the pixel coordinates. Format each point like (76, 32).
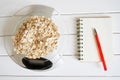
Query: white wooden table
(71, 68)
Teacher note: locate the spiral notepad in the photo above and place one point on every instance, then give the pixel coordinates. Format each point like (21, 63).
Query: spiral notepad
(86, 44)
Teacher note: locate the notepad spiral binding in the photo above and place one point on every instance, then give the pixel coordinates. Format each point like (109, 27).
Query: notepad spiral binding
(80, 38)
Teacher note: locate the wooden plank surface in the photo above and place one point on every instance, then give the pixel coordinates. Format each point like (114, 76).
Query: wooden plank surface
(60, 78)
(73, 7)
(63, 68)
(71, 68)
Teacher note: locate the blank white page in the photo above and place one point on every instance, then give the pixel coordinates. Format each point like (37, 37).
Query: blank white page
(104, 29)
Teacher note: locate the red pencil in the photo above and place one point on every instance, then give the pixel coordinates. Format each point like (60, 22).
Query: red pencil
(100, 50)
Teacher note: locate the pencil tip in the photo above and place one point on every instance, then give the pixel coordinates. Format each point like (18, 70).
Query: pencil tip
(95, 31)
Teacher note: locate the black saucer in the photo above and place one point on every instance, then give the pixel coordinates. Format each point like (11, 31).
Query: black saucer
(40, 64)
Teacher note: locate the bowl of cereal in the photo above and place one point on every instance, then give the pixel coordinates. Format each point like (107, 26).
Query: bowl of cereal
(34, 40)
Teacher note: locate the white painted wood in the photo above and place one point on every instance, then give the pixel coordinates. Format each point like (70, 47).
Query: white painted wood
(2, 47)
(9, 7)
(59, 78)
(115, 23)
(116, 43)
(70, 66)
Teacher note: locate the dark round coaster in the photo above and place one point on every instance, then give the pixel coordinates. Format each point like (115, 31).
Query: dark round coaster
(40, 64)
